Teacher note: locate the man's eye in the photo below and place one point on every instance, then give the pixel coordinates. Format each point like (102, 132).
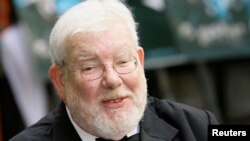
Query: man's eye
(123, 63)
(88, 69)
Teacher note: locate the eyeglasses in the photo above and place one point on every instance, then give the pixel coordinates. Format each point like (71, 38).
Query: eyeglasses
(123, 65)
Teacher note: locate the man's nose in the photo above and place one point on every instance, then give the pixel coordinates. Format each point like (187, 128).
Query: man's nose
(111, 78)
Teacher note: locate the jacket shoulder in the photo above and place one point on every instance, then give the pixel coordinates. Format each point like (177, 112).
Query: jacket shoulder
(167, 108)
(174, 110)
(43, 130)
(190, 121)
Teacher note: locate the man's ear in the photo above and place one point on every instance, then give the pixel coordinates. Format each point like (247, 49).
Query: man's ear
(140, 52)
(56, 77)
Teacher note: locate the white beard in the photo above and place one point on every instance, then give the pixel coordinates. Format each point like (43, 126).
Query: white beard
(91, 119)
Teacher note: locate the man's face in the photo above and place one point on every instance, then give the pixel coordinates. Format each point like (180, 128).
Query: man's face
(113, 104)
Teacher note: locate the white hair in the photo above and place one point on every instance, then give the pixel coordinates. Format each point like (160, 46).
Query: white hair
(88, 16)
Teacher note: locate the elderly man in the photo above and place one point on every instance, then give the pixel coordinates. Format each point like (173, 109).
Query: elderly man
(98, 73)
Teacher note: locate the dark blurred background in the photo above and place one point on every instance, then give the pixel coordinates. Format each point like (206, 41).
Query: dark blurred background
(196, 52)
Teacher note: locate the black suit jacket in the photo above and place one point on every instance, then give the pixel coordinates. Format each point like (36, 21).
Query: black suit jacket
(162, 121)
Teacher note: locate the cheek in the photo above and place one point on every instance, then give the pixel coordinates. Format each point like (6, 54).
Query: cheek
(135, 81)
(83, 90)
(89, 91)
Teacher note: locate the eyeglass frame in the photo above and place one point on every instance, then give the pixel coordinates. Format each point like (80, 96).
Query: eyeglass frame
(135, 60)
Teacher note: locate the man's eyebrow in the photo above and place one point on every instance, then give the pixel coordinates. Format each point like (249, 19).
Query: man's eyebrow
(84, 56)
(123, 52)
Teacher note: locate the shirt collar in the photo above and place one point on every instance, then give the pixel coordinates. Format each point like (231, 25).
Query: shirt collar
(88, 137)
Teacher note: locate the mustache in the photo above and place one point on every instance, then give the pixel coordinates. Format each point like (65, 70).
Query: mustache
(115, 95)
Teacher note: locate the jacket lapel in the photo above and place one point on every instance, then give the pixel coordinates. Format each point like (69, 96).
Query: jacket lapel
(155, 129)
(63, 129)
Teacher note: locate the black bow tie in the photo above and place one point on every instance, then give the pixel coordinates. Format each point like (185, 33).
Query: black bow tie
(132, 138)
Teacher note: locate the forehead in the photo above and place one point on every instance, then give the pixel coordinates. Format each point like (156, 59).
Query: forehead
(112, 42)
